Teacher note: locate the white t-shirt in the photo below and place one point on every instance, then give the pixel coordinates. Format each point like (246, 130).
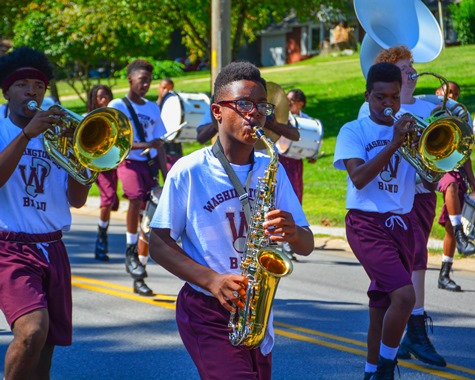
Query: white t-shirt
(392, 190)
(419, 108)
(149, 116)
(200, 205)
(34, 199)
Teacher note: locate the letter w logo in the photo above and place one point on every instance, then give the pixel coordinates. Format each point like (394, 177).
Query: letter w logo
(34, 180)
(390, 170)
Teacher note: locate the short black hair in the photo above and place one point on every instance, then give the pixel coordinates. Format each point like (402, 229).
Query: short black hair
(298, 95)
(91, 97)
(139, 64)
(25, 56)
(383, 72)
(236, 71)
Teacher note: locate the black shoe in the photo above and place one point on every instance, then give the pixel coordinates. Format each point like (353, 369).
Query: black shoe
(464, 246)
(368, 375)
(445, 282)
(141, 288)
(416, 341)
(403, 353)
(102, 246)
(385, 369)
(132, 263)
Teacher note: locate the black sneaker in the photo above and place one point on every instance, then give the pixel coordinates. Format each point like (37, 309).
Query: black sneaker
(133, 264)
(416, 341)
(385, 369)
(464, 246)
(141, 288)
(102, 246)
(368, 375)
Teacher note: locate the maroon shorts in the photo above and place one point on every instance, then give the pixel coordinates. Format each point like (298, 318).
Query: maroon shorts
(35, 274)
(107, 184)
(137, 182)
(444, 183)
(294, 170)
(203, 326)
(422, 216)
(384, 245)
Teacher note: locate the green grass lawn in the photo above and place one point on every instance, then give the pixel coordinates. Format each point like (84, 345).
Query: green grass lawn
(334, 87)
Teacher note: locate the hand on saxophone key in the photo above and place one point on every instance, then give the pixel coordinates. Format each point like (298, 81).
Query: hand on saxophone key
(229, 290)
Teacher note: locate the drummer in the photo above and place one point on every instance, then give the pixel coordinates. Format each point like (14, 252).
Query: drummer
(294, 167)
(165, 90)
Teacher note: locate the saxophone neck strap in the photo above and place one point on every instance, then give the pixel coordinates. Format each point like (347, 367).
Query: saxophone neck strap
(243, 195)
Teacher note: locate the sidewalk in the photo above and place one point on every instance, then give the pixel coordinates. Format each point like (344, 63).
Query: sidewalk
(325, 237)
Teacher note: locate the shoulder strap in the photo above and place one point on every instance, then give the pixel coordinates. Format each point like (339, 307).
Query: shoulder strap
(135, 119)
(243, 196)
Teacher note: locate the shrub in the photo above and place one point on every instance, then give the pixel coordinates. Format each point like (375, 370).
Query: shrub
(463, 16)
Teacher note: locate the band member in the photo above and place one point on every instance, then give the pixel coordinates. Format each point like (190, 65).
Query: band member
(453, 186)
(99, 96)
(416, 340)
(200, 206)
(380, 195)
(35, 196)
(139, 172)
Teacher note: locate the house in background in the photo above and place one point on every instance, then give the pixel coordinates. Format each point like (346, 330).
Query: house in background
(291, 41)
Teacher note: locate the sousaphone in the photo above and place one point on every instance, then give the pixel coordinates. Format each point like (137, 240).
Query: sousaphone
(390, 23)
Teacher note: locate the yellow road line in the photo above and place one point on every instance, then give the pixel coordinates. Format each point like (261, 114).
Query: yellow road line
(168, 302)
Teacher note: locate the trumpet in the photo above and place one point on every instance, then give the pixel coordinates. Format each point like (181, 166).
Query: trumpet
(101, 141)
(437, 145)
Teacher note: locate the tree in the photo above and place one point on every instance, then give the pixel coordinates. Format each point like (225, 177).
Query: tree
(463, 17)
(79, 37)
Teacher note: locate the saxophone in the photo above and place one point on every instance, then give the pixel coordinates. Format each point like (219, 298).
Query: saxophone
(261, 265)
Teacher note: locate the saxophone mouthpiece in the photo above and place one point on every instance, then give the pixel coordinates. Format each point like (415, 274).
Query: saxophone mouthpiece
(32, 105)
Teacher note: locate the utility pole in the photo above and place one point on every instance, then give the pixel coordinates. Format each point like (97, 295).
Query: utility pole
(220, 36)
(441, 22)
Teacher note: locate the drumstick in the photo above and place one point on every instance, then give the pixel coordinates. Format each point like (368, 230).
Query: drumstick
(165, 137)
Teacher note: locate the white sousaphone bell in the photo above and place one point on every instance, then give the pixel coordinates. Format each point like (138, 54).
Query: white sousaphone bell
(390, 23)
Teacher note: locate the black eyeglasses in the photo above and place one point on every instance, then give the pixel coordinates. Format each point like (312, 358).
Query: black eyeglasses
(264, 108)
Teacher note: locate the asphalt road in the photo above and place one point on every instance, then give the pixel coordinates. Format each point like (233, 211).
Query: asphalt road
(320, 318)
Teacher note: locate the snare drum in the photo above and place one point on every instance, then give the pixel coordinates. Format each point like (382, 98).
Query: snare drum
(468, 216)
(180, 108)
(150, 208)
(310, 142)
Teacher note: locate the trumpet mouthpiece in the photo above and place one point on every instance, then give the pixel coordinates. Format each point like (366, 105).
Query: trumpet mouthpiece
(412, 76)
(32, 105)
(388, 111)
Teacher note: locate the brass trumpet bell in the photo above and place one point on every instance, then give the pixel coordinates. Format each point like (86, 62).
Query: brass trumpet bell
(100, 141)
(445, 144)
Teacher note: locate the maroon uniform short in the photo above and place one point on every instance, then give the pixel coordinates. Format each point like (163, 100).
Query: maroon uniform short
(384, 245)
(422, 216)
(294, 170)
(35, 274)
(137, 182)
(447, 180)
(107, 184)
(203, 326)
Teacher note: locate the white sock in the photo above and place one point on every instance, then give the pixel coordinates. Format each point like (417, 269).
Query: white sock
(455, 220)
(388, 352)
(447, 259)
(418, 311)
(103, 224)
(143, 260)
(131, 238)
(371, 368)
